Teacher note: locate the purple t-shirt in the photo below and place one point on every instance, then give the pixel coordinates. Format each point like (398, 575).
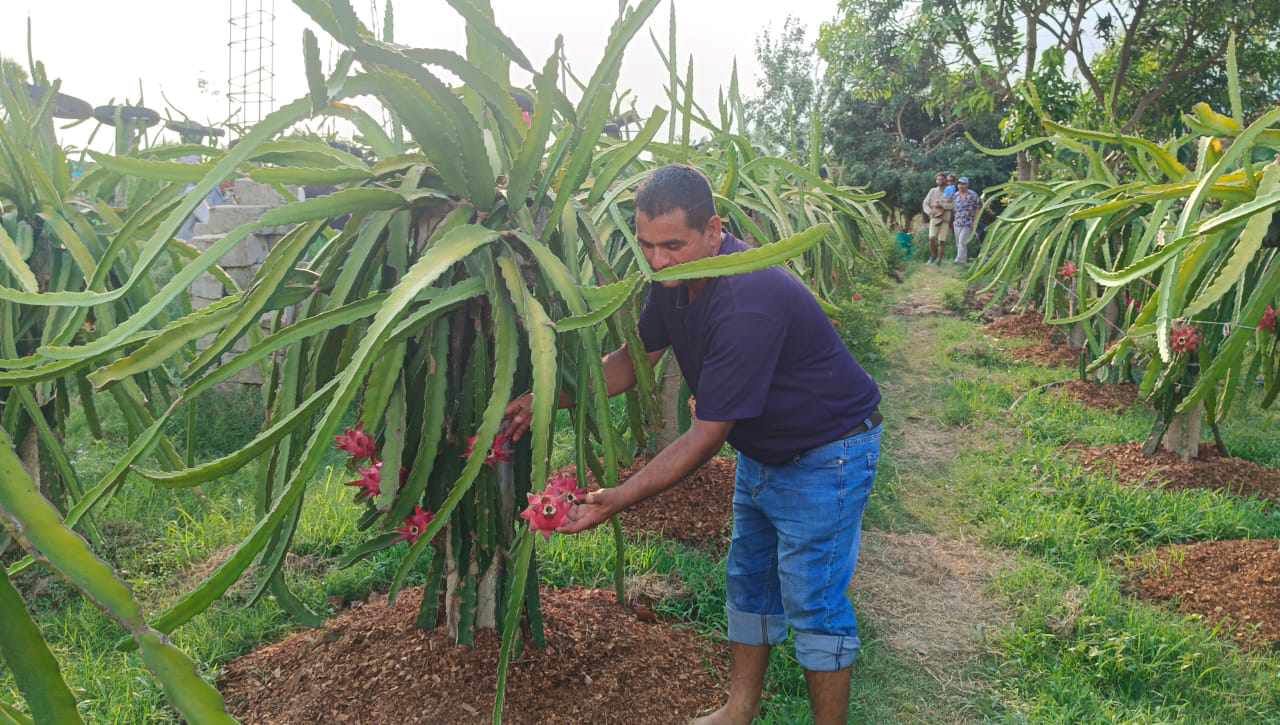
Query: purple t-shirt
(758, 350)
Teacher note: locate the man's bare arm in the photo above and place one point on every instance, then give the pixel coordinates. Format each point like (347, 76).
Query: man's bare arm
(619, 377)
(672, 463)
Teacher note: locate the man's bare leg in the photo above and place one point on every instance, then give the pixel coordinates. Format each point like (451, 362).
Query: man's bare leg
(829, 696)
(746, 681)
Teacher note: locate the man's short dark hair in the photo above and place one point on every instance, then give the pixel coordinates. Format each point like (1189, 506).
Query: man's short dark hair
(677, 186)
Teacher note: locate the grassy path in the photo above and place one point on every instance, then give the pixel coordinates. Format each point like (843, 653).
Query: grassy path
(990, 585)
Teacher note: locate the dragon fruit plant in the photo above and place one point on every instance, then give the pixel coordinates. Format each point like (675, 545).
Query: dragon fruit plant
(473, 266)
(1189, 238)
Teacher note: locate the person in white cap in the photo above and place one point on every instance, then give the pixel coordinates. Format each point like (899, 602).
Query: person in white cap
(967, 203)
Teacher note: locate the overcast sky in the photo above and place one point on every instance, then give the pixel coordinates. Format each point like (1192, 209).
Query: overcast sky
(102, 49)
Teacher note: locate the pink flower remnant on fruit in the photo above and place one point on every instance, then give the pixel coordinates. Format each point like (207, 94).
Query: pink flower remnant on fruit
(500, 452)
(369, 483)
(1068, 270)
(415, 525)
(566, 485)
(357, 443)
(1184, 338)
(546, 512)
(1268, 321)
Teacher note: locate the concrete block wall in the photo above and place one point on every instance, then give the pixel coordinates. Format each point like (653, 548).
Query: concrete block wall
(247, 201)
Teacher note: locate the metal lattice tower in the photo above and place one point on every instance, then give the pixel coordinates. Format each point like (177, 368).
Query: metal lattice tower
(251, 56)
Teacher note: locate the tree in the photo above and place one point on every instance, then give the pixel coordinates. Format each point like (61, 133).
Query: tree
(780, 115)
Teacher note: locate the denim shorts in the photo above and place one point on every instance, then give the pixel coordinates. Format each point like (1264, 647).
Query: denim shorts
(796, 529)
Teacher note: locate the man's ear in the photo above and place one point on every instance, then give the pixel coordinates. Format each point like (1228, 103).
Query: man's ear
(714, 229)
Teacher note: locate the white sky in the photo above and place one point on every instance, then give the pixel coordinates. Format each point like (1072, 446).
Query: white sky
(101, 49)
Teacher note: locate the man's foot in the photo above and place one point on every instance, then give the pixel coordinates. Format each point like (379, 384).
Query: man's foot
(726, 715)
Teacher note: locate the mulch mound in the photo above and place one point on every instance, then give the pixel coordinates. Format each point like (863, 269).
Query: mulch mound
(372, 665)
(697, 511)
(1050, 346)
(1114, 397)
(1235, 584)
(1210, 471)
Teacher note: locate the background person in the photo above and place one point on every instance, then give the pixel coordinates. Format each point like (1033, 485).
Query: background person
(937, 208)
(966, 203)
(774, 380)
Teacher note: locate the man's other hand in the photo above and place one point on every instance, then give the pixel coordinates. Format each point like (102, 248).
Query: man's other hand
(595, 510)
(519, 416)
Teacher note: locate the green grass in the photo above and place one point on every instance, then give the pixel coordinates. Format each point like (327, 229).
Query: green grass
(1075, 647)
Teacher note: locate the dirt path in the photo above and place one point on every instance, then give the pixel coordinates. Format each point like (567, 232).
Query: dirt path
(924, 593)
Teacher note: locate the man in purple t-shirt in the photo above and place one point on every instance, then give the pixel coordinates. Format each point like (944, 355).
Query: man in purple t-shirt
(773, 379)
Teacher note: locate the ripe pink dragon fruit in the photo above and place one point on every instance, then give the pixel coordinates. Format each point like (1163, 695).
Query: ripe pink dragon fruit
(1184, 338)
(856, 297)
(566, 485)
(415, 525)
(369, 483)
(1068, 270)
(546, 512)
(357, 443)
(500, 452)
(1268, 321)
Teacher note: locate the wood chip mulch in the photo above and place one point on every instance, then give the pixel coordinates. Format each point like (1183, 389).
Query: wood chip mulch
(697, 511)
(1114, 397)
(1210, 471)
(1235, 584)
(1049, 347)
(602, 664)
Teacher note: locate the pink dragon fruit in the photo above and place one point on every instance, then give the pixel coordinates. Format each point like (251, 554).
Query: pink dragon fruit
(369, 483)
(1184, 338)
(1068, 270)
(500, 452)
(565, 484)
(546, 512)
(415, 525)
(1268, 321)
(357, 443)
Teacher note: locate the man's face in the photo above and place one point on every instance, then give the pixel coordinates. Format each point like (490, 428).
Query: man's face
(962, 187)
(940, 180)
(951, 180)
(667, 240)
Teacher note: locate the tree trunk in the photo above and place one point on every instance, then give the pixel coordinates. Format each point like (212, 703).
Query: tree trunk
(669, 383)
(1183, 436)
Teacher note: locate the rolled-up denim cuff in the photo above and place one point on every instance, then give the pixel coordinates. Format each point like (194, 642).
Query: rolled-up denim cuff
(824, 652)
(756, 629)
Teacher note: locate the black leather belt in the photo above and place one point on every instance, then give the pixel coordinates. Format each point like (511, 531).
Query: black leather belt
(875, 418)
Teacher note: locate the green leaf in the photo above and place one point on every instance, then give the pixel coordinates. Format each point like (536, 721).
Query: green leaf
(27, 513)
(433, 263)
(34, 669)
(481, 23)
(748, 261)
(16, 262)
(153, 170)
(607, 300)
(238, 459)
(1141, 268)
(1246, 248)
(628, 154)
(511, 619)
(315, 75)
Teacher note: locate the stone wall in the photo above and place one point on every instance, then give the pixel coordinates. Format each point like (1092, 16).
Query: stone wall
(247, 201)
